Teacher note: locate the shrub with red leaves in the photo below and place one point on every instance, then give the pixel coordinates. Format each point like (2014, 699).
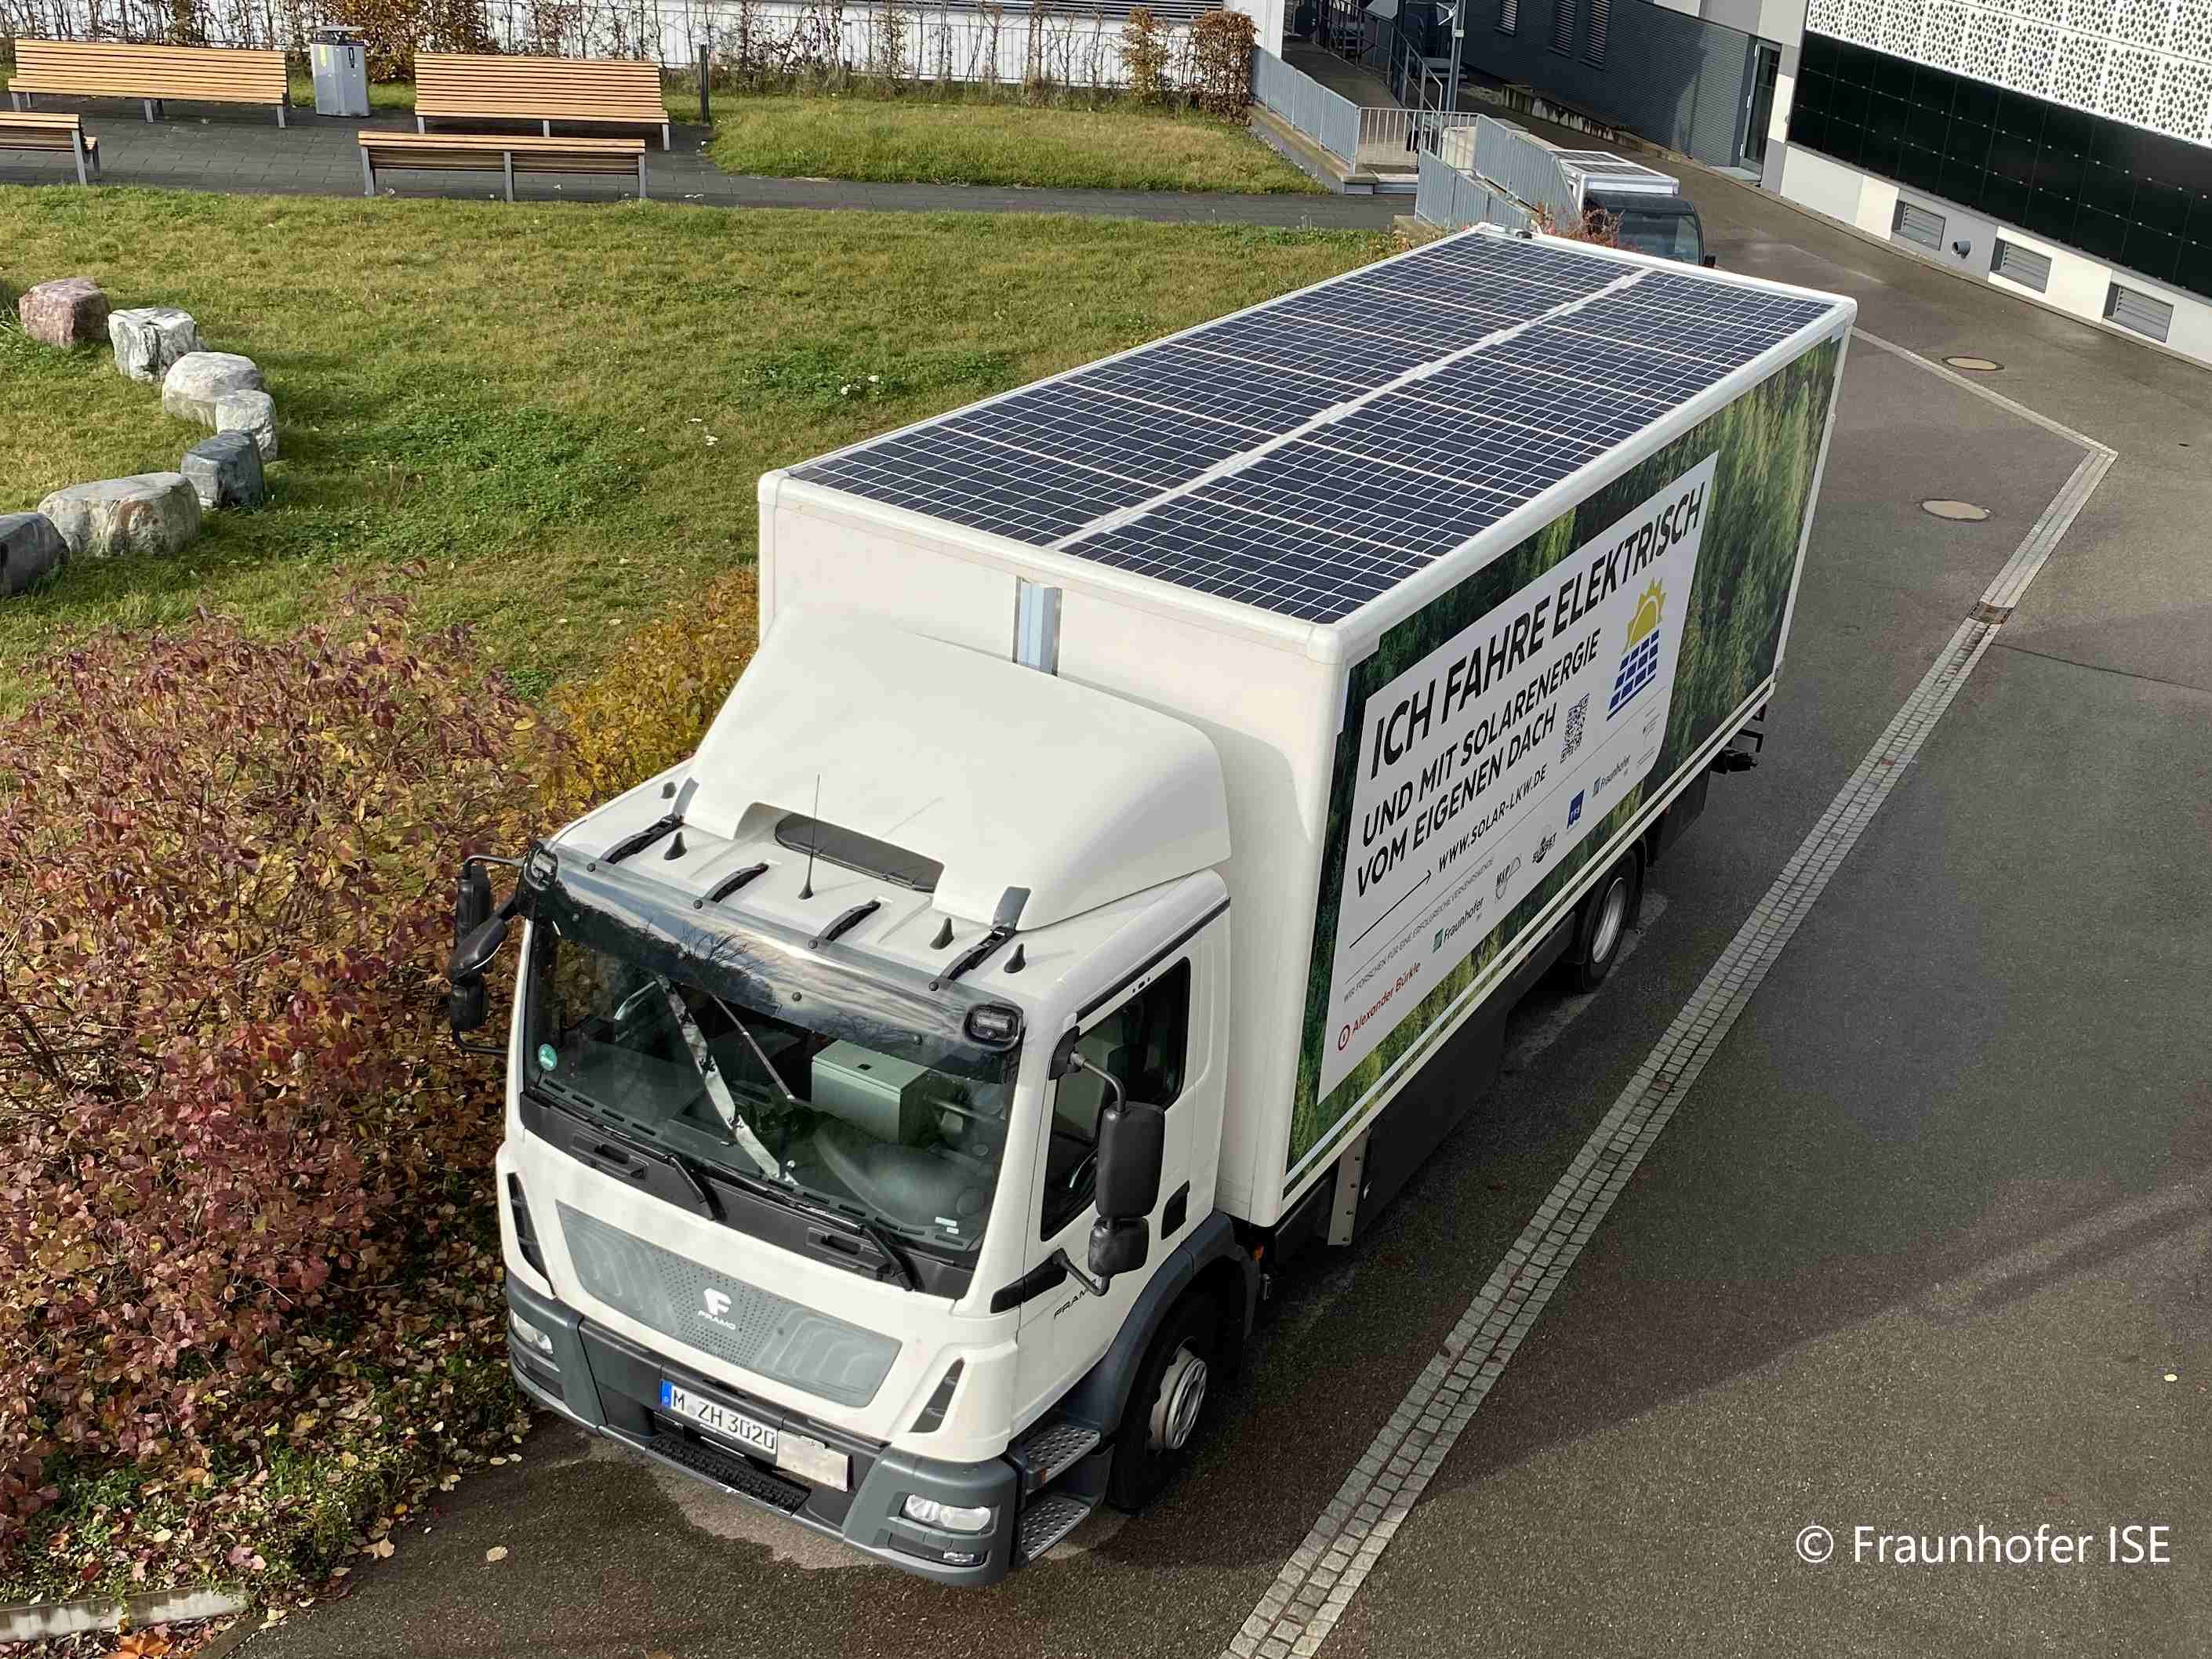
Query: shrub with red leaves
(230, 1116)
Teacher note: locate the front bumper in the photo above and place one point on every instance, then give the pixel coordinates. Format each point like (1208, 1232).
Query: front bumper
(612, 1386)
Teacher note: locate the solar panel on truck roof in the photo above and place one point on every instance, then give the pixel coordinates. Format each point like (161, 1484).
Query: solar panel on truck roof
(1307, 455)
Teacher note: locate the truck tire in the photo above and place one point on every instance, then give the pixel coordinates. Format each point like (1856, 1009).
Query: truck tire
(1605, 924)
(1165, 1403)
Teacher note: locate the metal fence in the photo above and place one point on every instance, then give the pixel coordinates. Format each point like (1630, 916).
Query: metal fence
(1454, 200)
(1069, 46)
(1391, 138)
(1330, 120)
(1527, 168)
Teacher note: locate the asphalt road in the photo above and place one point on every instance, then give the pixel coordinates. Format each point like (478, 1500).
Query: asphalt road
(1917, 1253)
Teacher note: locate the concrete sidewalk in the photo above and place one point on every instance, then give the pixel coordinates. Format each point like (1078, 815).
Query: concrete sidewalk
(201, 148)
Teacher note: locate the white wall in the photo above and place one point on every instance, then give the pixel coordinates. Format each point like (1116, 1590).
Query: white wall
(2078, 284)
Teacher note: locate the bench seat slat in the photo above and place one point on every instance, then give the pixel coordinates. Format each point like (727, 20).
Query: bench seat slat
(104, 69)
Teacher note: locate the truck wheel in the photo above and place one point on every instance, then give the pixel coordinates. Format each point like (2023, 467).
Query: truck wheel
(1164, 1404)
(1604, 924)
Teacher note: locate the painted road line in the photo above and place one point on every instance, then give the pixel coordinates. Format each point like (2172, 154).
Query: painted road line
(1318, 1582)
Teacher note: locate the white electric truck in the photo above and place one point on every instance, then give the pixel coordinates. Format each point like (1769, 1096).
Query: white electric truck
(1153, 788)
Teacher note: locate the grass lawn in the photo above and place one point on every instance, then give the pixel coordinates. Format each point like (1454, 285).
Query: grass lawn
(549, 420)
(383, 96)
(947, 142)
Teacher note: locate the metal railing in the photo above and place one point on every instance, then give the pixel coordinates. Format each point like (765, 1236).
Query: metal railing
(1528, 168)
(1453, 200)
(1392, 138)
(1330, 120)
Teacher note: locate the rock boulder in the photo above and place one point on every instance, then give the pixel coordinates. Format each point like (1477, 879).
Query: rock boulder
(149, 338)
(196, 380)
(251, 412)
(226, 471)
(152, 513)
(30, 546)
(69, 311)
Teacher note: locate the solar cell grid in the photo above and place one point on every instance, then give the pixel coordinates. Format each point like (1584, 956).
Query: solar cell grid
(1158, 446)
(1425, 514)
(1376, 478)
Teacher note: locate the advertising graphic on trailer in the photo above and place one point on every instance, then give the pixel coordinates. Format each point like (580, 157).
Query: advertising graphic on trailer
(1518, 725)
(1480, 763)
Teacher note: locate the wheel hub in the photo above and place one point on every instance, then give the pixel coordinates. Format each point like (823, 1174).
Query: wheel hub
(1175, 1408)
(1612, 914)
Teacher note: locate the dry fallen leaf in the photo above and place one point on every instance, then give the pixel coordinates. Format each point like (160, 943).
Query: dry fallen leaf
(383, 1549)
(496, 1553)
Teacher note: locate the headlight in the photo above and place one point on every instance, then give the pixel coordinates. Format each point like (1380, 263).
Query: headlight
(950, 1516)
(530, 1335)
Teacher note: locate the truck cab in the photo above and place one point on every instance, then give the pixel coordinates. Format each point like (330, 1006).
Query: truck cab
(883, 1095)
(1666, 226)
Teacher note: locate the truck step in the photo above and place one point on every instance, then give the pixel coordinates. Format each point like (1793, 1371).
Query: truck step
(1047, 1521)
(1051, 1448)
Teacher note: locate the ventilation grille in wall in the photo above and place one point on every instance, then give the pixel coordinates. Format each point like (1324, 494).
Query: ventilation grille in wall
(2018, 264)
(1509, 16)
(1600, 23)
(2139, 312)
(1917, 224)
(2145, 61)
(1563, 26)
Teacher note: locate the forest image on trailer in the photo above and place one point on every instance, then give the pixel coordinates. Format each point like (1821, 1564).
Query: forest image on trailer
(1498, 738)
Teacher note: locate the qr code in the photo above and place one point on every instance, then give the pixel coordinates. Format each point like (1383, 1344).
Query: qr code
(1576, 711)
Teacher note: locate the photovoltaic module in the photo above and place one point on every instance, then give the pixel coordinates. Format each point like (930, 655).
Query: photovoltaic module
(1306, 456)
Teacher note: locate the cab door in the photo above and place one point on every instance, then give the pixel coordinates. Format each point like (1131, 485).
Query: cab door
(1156, 1036)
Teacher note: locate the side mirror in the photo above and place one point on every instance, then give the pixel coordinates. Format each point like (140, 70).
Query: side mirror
(471, 900)
(1131, 1147)
(467, 1007)
(474, 954)
(1119, 1247)
(1711, 261)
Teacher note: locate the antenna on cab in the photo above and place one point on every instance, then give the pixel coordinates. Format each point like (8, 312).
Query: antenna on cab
(814, 840)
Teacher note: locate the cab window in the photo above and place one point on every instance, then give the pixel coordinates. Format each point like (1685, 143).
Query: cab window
(1143, 1044)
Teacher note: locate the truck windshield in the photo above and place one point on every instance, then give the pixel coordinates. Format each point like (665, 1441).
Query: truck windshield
(750, 1066)
(1668, 235)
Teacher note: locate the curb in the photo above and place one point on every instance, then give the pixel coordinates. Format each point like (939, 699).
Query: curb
(34, 1620)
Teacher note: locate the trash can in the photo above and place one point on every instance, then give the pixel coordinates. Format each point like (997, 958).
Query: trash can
(340, 58)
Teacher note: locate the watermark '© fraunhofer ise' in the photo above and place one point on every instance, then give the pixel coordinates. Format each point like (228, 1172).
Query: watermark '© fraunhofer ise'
(2123, 1544)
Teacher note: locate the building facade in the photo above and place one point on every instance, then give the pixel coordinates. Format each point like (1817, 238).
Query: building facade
(2059, 149)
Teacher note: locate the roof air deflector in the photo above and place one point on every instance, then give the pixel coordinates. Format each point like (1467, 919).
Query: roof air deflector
(850, 850)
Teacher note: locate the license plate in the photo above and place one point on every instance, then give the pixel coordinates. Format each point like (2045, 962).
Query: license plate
(755, 1437)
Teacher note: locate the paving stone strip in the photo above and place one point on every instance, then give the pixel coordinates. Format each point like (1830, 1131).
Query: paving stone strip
(1318, 1582)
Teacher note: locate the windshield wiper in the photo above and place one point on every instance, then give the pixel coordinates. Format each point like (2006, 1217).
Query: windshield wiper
(876, 1236)
(718, 1090)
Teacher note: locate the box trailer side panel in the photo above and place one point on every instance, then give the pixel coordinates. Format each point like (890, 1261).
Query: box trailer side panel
(1270, 710)
(1527, 721)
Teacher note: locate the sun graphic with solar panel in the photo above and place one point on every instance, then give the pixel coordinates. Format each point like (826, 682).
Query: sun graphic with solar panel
(1640, 663)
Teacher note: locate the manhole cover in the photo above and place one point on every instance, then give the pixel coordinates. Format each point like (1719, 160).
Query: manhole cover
(1975, 364)
(1965, 511)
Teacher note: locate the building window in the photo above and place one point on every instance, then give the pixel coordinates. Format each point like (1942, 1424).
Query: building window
(1918, 225)
(2139, 312)
(1600, 20)
(2018, 264)
(1509, 17)
(1563, 26)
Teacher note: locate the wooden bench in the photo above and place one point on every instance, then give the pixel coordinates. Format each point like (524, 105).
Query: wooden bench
(65, 133)
(115, 68)
(480, 152)
(455, 85)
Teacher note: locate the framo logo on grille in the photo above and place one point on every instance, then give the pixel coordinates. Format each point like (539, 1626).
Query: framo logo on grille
(1639, 664)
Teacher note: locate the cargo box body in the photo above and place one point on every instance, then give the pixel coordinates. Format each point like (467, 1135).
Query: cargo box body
(1421, 782)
